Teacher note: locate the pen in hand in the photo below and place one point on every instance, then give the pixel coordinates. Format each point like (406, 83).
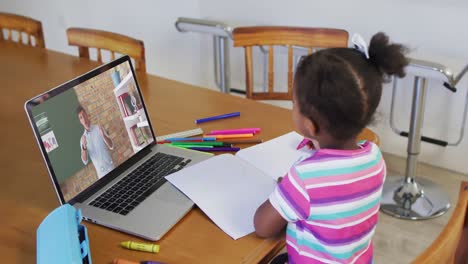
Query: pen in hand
(305, 142)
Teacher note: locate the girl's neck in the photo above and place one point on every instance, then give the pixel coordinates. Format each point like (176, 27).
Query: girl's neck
(349, 144)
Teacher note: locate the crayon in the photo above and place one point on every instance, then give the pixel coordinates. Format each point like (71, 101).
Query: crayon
(153, 248)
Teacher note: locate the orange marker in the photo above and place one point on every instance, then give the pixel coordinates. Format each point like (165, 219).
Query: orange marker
(233, 136)
(123, 261)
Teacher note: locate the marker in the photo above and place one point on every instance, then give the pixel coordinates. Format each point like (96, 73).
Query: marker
(215, 149)
(197, 139)
(124, 261)
(246, 141)
(234, 136)
(205, 143)
(153, 248)
(190, 146)
(212, 118)
(234, 131)
(303, 143)
(188, 149)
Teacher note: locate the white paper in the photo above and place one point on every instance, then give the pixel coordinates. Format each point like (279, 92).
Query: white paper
(228, 189)
(275, 156)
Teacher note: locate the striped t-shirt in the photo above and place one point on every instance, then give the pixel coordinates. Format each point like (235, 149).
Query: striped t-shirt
(331, 201)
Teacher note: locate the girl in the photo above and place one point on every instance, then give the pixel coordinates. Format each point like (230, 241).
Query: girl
(330, 200)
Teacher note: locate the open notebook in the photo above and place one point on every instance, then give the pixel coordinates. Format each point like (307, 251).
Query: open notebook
(229, 188)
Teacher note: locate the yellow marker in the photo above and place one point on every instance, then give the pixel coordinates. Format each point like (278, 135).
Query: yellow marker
(153, 248)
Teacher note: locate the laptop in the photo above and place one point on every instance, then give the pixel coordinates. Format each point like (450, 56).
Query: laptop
(101, 153)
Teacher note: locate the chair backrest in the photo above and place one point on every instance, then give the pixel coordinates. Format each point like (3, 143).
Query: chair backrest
(451, 246)
(103, 40)
(310, 38)
(27, 29)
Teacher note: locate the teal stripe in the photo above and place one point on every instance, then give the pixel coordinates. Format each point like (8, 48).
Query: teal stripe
(338, 171)
(346, 213)
(318, 247)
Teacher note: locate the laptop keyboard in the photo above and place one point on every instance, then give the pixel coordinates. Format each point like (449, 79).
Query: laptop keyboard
(133, 189)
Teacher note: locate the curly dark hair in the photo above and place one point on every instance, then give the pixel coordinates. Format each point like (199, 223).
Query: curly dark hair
(79, 109)
(339, 89)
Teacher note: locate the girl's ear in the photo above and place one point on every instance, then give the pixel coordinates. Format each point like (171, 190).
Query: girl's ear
(311, 127)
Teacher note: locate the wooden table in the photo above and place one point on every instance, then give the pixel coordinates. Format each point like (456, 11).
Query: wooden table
(26, 192)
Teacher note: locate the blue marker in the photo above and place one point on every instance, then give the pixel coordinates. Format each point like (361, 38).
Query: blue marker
(192, 139)
(202, 120)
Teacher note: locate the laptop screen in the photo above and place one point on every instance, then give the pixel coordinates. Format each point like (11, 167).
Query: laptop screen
(90, 125)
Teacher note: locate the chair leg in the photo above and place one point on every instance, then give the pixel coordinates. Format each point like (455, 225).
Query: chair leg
(407, 198)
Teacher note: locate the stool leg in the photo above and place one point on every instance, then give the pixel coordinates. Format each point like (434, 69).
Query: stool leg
(405, 197)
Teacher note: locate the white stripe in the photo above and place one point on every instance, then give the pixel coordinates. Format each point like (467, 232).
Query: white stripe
(330, 183)
(344, 207)
(281, 205)
(338, 163)
(297, 186)
(303, 253)
(347, 224)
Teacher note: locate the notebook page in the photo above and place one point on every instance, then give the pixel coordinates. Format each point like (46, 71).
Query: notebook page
(275, 156)
(228, 189)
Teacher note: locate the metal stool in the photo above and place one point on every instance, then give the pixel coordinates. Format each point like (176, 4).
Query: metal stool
(422, 199)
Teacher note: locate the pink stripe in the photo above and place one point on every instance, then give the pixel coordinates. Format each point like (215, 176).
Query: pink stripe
(345, 232)
(343, 177)
(346, 189)
(343, 221)
(341, 201)
(321, 156)
(365, 147)
(294, 255)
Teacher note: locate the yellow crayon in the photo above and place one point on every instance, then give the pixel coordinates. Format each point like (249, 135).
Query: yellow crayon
(153, 248)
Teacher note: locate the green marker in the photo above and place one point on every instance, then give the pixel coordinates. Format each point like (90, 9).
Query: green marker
(205, 143)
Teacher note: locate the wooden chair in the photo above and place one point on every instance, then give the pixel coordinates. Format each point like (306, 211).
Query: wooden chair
(309, 38)
(91, 38)
(27, 29)
(451, 246)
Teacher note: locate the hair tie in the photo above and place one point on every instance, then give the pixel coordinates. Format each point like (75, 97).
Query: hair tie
(360, 44)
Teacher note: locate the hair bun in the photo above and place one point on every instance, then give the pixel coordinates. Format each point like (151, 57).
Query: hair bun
(389, 58)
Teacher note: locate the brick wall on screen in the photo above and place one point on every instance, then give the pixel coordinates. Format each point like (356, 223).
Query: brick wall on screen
(97, 97)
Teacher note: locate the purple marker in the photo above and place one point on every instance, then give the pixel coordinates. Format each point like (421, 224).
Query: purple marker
(212, 118)
(215, 149)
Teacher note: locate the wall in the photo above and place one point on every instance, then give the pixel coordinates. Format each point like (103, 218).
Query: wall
(432, 29)
(168, 53)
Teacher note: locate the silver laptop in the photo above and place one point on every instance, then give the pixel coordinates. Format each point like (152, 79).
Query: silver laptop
(100, 150)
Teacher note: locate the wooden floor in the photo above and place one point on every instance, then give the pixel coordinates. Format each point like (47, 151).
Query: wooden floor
(400, 241)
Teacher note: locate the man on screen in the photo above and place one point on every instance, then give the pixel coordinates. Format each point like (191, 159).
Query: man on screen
(95, 144)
